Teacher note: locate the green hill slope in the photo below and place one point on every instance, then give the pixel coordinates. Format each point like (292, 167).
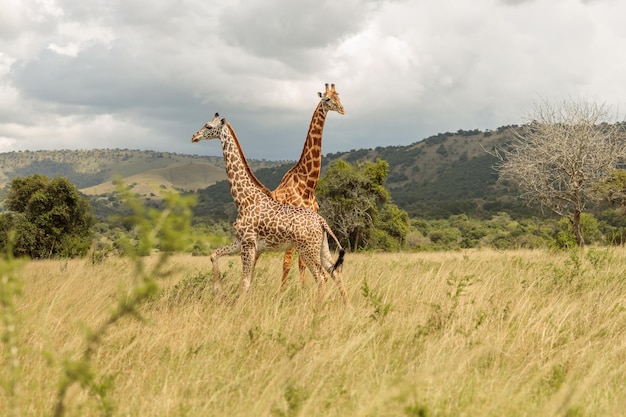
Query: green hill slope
(445, 174)
(450, 173)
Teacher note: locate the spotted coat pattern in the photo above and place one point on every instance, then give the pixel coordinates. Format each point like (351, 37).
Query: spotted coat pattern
(264, 224)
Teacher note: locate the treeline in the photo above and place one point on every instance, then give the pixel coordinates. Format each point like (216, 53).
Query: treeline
(502, 232)
(361, 210)
(46, 218)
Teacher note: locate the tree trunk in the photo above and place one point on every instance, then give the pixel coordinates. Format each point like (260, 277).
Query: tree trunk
(357, 238)
(575, 220)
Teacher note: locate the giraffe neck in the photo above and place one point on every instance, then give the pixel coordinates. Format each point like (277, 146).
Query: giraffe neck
(309, 164)
(244, 185)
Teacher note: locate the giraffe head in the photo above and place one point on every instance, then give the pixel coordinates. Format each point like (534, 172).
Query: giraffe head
(211, 130)
(330, 100)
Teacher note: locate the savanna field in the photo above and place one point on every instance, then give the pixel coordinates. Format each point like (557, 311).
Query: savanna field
(476, 333)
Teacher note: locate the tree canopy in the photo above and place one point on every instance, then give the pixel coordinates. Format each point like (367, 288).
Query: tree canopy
(358, 207)
(47, 217)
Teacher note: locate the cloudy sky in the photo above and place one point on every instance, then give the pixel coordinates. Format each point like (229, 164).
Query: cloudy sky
(146, 74)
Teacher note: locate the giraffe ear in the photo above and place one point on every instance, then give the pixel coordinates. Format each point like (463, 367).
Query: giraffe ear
(319, 94)
(223, 121)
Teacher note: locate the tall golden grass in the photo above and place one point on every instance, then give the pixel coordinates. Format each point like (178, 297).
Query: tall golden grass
(477, 333)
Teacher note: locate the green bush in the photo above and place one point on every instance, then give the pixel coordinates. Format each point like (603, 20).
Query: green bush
(589, 227)
(48, 216)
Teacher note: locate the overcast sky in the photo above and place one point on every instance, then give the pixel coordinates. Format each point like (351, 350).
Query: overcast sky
(146, 74)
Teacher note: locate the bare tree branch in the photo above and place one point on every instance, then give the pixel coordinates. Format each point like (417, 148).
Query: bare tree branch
(561, 153)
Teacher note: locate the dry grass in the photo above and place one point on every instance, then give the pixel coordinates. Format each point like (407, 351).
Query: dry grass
(480, 333)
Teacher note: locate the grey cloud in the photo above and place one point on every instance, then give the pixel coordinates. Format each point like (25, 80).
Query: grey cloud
(290, 31)
(404, 71)
(516, 2)
(98, 77)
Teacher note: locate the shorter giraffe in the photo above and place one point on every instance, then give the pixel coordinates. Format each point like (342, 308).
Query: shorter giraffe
(264, 224)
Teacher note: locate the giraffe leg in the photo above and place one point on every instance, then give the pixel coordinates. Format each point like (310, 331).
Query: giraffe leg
(302, 268)
(286, 266)
(315, 266)
(328, 263)
(256, 258)
(336, 276)
(216, 273)
(320, 278)
(248, 259)
(225, 250)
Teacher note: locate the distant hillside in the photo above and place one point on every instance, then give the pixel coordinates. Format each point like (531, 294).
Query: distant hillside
(92, 171)
(445, 174)
(449, 173)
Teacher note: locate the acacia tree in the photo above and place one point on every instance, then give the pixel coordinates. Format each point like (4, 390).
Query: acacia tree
(560, 155)
(356, 203)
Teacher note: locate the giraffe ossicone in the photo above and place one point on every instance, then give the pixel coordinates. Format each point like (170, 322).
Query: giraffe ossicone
(263, 224)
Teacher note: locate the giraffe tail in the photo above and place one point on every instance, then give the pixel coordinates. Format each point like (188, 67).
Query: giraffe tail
(339, 260)
(342, 251)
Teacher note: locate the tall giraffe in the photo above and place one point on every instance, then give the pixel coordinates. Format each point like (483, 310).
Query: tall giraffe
(298, 185)
(264, 224)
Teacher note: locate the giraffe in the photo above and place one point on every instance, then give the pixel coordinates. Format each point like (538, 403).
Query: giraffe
(264, 224)
(298, 185)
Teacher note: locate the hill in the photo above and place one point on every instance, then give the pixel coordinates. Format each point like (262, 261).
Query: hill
(442, 175)
(93, 170)
(448, 173)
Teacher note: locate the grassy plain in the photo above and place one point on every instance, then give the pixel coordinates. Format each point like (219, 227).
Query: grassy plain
(477, 333)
